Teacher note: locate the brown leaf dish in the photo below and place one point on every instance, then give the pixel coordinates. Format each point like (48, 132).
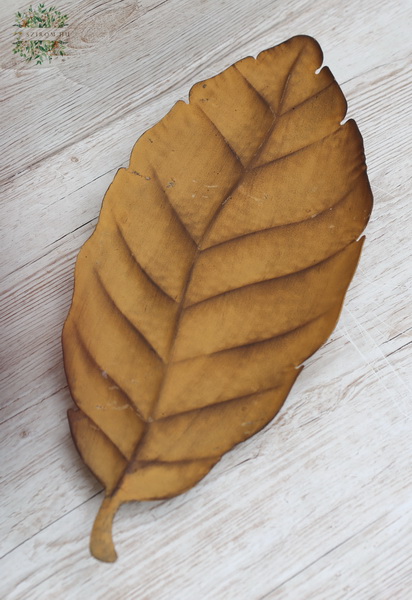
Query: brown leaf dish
(219, 264)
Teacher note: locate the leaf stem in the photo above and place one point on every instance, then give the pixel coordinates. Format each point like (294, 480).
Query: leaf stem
(101, 540)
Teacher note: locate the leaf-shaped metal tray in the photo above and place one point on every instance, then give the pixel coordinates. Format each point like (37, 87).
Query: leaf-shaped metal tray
(219, 264)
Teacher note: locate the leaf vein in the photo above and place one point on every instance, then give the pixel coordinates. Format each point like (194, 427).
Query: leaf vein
(262, 341)
(149, 277)
(271, 279)
(308, 99)
(218, 404)
(252, 87)
(279, 158)
(225, 140)
(125, 317)
(271, 129)
(110, 378)
(291, 224)
(81, 410)
(144, 463)
(172, 208)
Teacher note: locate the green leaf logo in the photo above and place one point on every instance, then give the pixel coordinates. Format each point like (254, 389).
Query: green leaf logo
(38, 50)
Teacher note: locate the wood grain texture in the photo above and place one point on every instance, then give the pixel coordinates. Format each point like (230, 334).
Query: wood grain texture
(334, 465)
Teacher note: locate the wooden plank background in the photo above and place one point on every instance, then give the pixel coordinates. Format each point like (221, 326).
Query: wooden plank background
(319, 504)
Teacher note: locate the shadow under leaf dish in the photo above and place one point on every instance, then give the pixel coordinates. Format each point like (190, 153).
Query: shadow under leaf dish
(219, 264)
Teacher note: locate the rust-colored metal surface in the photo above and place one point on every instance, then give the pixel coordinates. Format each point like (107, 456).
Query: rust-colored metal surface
(219, 264)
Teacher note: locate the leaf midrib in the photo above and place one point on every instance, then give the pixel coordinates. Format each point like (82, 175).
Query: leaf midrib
(182, 307)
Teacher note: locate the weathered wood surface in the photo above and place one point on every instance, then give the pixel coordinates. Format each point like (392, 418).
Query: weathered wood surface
(318, 505)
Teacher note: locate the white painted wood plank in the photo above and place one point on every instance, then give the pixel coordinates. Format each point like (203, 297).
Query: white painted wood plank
(250, 541)
(66, 191)
(318, 504)
(159, 47)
